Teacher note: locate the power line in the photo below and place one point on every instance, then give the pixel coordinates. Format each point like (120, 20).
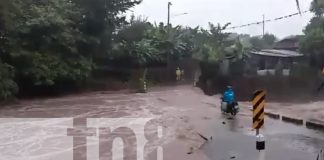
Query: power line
(268, 20)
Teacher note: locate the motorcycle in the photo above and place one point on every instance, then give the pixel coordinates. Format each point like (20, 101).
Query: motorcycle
(229, 108)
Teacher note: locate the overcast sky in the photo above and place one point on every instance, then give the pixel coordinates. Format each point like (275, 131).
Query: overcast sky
(238, 12)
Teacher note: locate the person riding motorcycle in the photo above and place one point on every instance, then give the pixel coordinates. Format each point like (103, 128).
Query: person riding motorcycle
(229, 99)
(229, 95)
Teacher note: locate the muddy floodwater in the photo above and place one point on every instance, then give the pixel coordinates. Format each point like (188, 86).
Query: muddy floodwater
(39, 129)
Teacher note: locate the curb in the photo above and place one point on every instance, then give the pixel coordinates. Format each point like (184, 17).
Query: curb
(314, 125)
(272, 115)
(296, 121)
(293, 120)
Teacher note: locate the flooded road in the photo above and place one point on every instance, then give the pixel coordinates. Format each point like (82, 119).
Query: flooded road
(44, 129)
(283, 141)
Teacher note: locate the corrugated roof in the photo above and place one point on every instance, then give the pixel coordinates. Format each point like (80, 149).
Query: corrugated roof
(277, 53)
(291, 42)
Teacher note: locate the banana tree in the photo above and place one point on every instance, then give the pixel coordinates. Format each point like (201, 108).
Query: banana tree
(171, 41)
(211, 44)
(138, 55)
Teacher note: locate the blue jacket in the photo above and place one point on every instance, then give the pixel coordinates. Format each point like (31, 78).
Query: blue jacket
(229, 96)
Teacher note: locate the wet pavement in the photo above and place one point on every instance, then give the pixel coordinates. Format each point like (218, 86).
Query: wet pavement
(37, 129)
(283, 141)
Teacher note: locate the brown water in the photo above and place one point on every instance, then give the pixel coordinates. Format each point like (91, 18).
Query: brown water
(37, 129)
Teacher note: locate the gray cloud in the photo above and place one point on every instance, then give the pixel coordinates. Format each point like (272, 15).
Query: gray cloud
(235, 11)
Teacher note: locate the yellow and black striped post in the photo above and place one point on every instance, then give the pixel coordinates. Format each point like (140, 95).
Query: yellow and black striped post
(259, 103)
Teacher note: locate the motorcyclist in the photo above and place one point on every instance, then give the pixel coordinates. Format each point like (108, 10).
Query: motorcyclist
(229, 98)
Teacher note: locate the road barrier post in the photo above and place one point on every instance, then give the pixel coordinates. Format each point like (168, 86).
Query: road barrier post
(320, 156)
(144, 86)
(259, 103)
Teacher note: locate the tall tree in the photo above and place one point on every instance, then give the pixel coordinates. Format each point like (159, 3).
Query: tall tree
(314, 36)
(317, 8)
(101, 19)
(44, 42)
(212, 44)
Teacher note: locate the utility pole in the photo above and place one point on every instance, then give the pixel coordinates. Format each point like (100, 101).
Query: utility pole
(263, 22)
(169, 5)
(169, 70)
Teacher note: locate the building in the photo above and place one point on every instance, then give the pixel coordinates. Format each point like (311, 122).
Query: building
(290, 43)
(281, 58)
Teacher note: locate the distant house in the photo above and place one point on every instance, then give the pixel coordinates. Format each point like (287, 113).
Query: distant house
(281, 58)
(290, 43)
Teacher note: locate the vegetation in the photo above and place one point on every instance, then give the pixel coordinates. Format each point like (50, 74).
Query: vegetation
(8, 87)
(265, 42)
(55, 44)
(312, 43)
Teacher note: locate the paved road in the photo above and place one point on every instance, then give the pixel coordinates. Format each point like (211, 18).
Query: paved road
(283, 141)
(37, 129)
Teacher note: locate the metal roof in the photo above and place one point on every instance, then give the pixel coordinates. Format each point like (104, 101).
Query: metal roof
(277, 53)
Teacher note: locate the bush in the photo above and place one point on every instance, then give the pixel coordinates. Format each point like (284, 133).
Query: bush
(8, 88)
